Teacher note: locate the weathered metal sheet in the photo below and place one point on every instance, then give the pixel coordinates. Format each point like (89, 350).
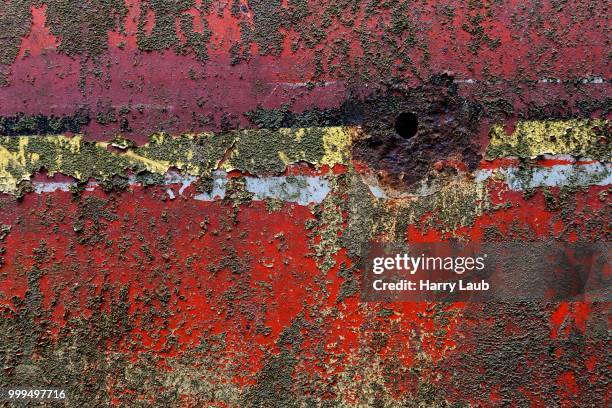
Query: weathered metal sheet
(187, 190)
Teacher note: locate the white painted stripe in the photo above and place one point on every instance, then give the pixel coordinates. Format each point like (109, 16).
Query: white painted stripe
(558, 176)
(586, 80)
(592, 174)
(305, 190)
(581, 175)
(298, 189)
(51, 186)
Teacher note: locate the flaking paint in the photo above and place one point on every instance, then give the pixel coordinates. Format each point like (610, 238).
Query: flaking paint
(255, 152)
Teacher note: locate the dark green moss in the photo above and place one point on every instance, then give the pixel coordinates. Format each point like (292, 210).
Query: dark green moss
(92, 219)
(274, 387)
(164, 35)
(268, 17)
(15, 20)
(350, 284)
(83, 25)
(198, 42)
(350, 112)
(237, 195)
(478, 35)
(106, 116)
(115, 183)
(29, 125)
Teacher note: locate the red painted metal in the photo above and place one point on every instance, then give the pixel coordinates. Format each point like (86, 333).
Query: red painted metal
(133, 299)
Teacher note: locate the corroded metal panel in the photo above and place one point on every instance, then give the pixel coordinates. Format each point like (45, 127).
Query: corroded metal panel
(187, 189)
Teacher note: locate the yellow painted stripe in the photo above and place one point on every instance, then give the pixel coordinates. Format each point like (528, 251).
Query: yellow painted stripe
(253, 151)
(533, 138)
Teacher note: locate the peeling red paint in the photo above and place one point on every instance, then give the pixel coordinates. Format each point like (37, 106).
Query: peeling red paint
(177, 93)
(135, 297)
(276, 281)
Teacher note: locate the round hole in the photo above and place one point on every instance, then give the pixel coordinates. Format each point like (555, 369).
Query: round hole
(406, 124)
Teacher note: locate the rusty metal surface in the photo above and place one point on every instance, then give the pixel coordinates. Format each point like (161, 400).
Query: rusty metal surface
(187, 188)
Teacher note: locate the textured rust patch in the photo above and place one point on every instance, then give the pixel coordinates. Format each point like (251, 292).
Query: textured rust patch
(447, 130)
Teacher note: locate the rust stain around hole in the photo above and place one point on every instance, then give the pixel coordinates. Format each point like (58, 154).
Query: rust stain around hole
(410, 130)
